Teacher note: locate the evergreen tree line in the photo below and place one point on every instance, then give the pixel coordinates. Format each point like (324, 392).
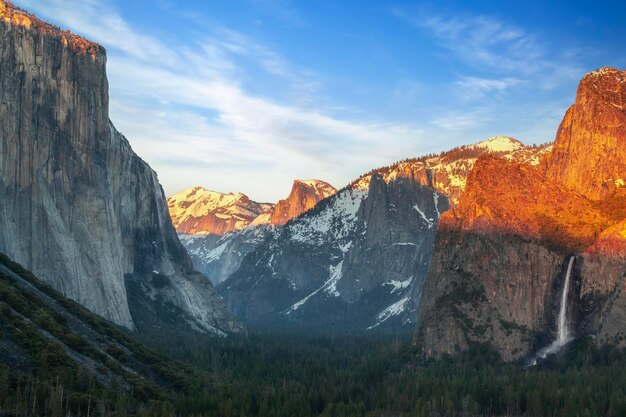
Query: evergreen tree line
(340, 376)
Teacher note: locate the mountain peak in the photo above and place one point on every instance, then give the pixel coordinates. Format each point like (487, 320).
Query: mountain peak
(604, 72)
(589, 155)
(304, 195)
(500, 144)
(197, 210)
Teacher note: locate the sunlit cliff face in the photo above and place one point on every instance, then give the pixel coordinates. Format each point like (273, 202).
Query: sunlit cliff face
(575, 200)
(18, 17)
(506, 197)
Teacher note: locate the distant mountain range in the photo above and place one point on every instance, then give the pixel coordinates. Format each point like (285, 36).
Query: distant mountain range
(361, 259)
(296, 278)
(218, 229)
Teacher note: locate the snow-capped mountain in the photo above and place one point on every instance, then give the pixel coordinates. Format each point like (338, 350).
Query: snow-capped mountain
(346, 265)
(197, 211)
(356, 261)
(218, 229)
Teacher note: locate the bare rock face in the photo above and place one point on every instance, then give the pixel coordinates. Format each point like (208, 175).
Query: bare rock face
(304, 195)
(589, 152)
(356, 261)
(492, 288)
(508, 197)
(500, 254)
(77, 206)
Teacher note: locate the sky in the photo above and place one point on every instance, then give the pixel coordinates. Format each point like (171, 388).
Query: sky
(247, 95)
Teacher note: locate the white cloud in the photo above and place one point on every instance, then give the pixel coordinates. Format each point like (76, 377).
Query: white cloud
(476, 87)
(186, 111)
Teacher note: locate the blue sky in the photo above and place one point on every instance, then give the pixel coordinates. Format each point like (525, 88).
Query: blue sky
(246, 95)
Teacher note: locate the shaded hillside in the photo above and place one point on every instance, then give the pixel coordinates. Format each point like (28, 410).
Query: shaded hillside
(59, 358)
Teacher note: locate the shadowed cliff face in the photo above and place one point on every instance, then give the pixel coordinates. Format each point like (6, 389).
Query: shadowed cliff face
(357, 261)
(77, 206)
(499, 255)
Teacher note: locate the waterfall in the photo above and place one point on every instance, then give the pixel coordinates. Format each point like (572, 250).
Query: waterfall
(563, 334)
(563, 330)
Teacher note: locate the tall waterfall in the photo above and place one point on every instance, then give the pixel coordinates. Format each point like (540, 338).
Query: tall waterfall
(563, 329)
(563, 336)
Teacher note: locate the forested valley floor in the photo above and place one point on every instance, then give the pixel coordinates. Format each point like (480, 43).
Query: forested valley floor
(286, 375)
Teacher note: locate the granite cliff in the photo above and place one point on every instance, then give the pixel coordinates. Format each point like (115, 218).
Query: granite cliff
(304, 195)
(500, 255)
(355, 261)
(77, 206)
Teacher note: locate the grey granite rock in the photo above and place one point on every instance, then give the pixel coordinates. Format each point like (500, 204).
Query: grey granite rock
(77, 206)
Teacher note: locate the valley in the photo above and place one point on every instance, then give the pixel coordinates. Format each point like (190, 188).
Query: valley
(487, 278)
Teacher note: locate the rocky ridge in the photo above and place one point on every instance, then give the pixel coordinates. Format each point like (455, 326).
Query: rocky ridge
(448, 171)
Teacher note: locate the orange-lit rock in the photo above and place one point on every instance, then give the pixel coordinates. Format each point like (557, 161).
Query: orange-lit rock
(589, 153)
(506, 197)
(18, 17)
(199, 211)
(612, 241)
(304, 195)
(499, 258)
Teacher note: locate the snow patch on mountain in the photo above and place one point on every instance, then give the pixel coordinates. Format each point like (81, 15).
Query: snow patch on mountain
(399, 285)
(500, 144)
(342, 211)
(395, 309)
(426, 219)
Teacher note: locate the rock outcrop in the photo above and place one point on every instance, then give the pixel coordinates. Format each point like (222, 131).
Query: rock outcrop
(77, 206)
(500, 254)
(304, 195)
(589, 152)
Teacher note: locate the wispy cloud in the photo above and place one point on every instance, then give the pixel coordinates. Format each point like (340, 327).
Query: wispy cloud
(188, 102)
(499, 69)
(476, 87)
(466, 121)
(489, 45)
(484, 41)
